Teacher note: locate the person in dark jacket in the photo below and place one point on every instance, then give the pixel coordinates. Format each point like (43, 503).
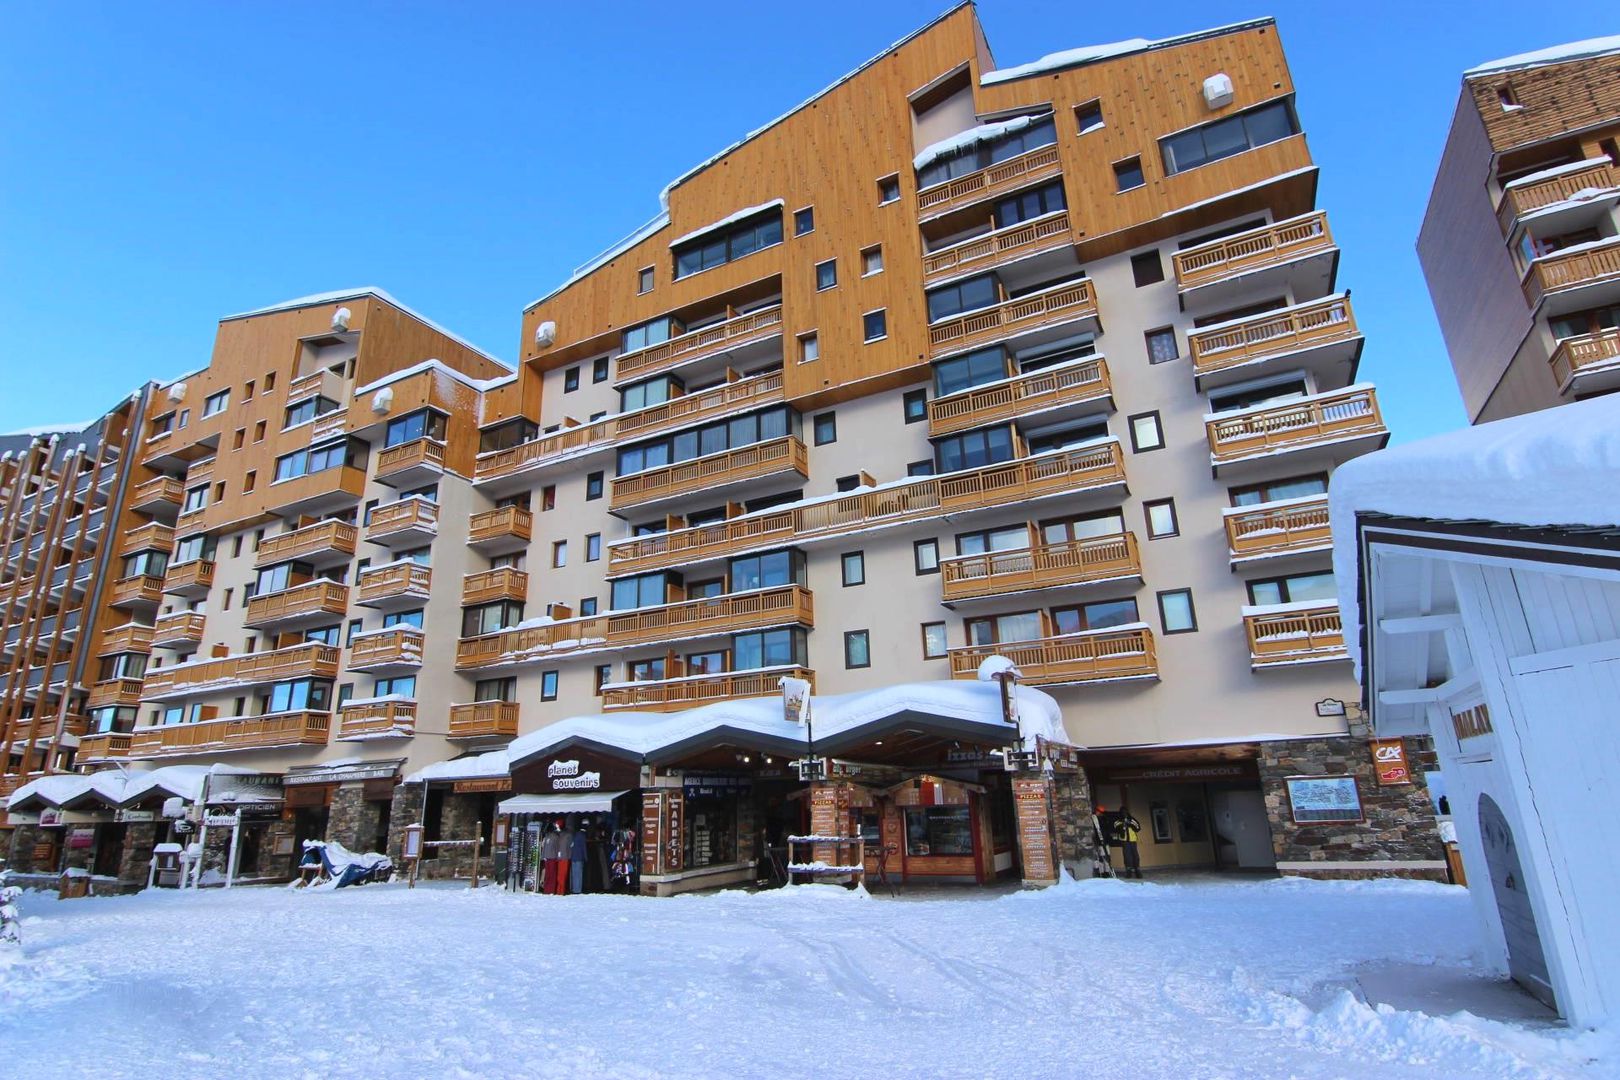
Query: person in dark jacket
(578, 848)
(1126, 833)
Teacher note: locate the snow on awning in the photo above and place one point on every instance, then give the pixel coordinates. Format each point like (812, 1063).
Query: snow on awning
(596, 802)
(65, 790)
(486, 766)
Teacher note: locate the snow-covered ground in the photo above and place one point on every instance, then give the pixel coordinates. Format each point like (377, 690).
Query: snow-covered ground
(1097, 978)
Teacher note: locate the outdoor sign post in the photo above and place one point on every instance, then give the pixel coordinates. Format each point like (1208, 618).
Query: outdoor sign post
(236, 848)
(411, 849)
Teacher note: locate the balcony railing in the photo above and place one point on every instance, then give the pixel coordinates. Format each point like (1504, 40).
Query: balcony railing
(143, 589)
(1521, 199)
(529, 642)
(1294, 526)
(406, 515)
(1323, 419)
(422, 454)
(1582, 355)
(1050, 307)
(132, 637)
(1030, 167)
(177, 629)
(1007, 484)
(103, 746)
(1064, 384)
(153, 536)
(1300, 635)
(742, 330)
(1571, 268)
(395, 647)
(312, 598)
(159, 494)
(376, 719)
(1044, 566)
(1272, 334)
(311, 660)
(501, 583)
(667, 694)
(484, 719)
(510, 525)
(400, 580)
(996, 247)
(192, 578)
(1090, 657)
(126, 692)
(786, 454)
(232, 733)
(1256, 249)
(322, 538)
(305, 386)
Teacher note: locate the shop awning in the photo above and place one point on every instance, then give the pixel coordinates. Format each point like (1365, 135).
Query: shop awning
(595, 802)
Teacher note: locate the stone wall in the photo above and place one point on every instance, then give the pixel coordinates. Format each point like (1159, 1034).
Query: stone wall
(21, 856)
(406, 810)
(135, 862)
(1073, 814)
(352, 820)
(1398, 837)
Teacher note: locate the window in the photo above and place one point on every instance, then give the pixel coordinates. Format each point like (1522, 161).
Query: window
(995, 629)
(1027, 205)
(933, 640)
(599, 369)
(247, 390)
(973, 449)
(250, 479)
(706, 663)
(847, 483)
(604, 675)
(548, 496)
(593, 547)
(1294, 487)
(872, 260)
(644, 670)
(857, 649)
(854, 568)
(826, 428)
(705, 590)
(809, 348)
(302, 413)
(571, 380)
(1034, 133)
(644, 280)
(1176, 613)
(939, 830)
(1295, 588)
(269, 381)
(1128, 174)
(225, 603)
(559, 553)
(185, 417)
(959, 296)
(1147, 268)
(239, 438)
(875, 324)
(299, 696)
(920, 468)
(593, 487)
(1088, 116)
(587, 607)
(804, 221)
(1146, 432)
(1161, 519)
(402, 685)
(548, 685)
(1232, 400)
(712, 438)
(490, 618)
(915, 406)
(495, 689)
(354, 628)
(1161, 345)
(216, 403)
(219, 491)
(769, 648)
(984, 541)
(403, 618)
(317, 459)
(653, 332)
(826, 274)
(1063, 435)
(925, 556)
(1098, 615)
(422, 424)
(965, 372)
(1227, 136)
(196, 499)
(767, 571)
(258, 431)
(717, 247)
(889, 189)
(643, 590)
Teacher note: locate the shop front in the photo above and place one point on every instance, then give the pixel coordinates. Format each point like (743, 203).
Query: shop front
(571, 822)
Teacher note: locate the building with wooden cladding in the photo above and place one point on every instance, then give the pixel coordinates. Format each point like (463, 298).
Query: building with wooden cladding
(1521, 241)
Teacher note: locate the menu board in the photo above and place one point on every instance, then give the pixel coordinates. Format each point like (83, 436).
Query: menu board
(1032, 802)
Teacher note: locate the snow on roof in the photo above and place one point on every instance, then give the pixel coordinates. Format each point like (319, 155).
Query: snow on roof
(481, 385)
(1555, 467)
(354, 294)
(1556, 54)
(1556, 170)
(1091, 54)
(183, 781)
(59, 789)
(476, 767)
(50, 429)
(964, 139)
(747, 211)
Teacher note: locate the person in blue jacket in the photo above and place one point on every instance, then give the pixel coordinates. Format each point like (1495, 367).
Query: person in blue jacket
(576, 864)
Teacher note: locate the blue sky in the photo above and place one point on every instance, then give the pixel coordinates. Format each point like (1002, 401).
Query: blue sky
(162, 165)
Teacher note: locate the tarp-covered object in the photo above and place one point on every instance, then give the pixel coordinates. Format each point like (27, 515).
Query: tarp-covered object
(345, 867)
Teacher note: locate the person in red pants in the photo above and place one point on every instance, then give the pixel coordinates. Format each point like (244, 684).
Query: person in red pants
(554, 875)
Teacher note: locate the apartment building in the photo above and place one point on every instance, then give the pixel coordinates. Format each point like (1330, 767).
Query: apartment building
(1521, 241)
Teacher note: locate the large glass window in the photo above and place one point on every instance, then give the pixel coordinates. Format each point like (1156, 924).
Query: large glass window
(720, 246)
(1295, 487)
(973, 449)
(422, 424)
(1037, 202)
(1094, 616)
(146, 564)
(959, 296)
(309, 409)
(773, 423)
(1233, 400)
(318, 459)
(193, 548)
(643, 590)
(1227, 136)
(769, 648)
(652, 392)
(1293, 589)
(972, 369)
(767, 571)
(979, 155)
(400, 685)
(403, 618)
(514, 432)
(123, 666)
(495, 689)
(281, 576)
(939, 830)
(1008, 538)
(489, 618)
(314, 695)
(1063, 530)
(995, 629)
(1056, 438)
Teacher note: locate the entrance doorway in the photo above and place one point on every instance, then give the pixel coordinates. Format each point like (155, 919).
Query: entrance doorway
(1526, 961)
(1242, 829)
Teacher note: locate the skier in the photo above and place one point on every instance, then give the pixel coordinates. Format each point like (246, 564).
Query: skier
(1126, 831)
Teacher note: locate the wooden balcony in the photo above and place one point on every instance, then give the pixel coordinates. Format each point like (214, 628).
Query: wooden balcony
(412, 463)
(1240, 347)
(1295, 634)
(1044, 566)
(192, 579)
(1071, 302)
(500, 531)
(734, 396)
(705, 474)
(1257, 249)
(376, 720)
(502, 583)
(201, 472)
(132, 637)
(76, 724)
(178, 630)
(1031, 167)
(405, 522)
(395, 649)
(536, 642)
(484, 720)
(317, 493)
(311, 602)
(1287, 528)
(1062, 385)
(232, 733)
(322, 543)
(143, 590)
(713, 340)
(1323, 420)
(311, 660)
(121, 692)
(103, 746)
(161, 495)
(153, 536)
(1521, 199)
(1066, 472)
(1095, 656)
(783, 606)
(997, 247)
(396, 585)
(666, 695)
(1575, 268)
(1578, 358)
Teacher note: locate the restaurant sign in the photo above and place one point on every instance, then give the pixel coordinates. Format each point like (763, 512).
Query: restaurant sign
(134, 817)
(476, 787)
(1389, 758)
(1032, 805)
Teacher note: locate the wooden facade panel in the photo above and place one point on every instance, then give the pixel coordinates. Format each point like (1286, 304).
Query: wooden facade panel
(1553, 100)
